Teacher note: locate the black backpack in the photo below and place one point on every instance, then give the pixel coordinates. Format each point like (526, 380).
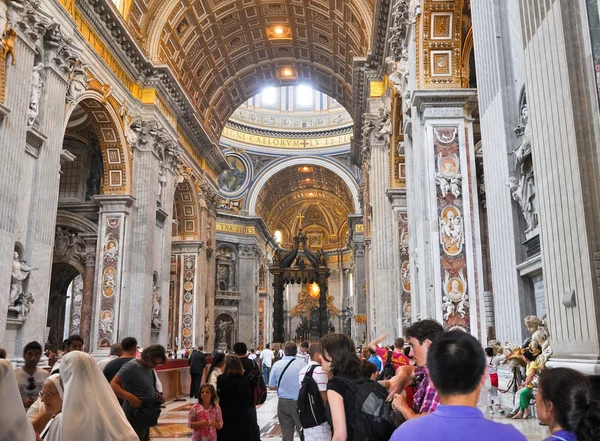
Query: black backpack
(258, 388)
(310, 405)
(372, 418)
(388, 370)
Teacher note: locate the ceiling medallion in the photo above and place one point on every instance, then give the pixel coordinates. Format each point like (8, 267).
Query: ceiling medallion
(287, 73)
(279, 32)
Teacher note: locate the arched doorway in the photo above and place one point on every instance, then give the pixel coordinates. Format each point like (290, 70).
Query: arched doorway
(66, 286)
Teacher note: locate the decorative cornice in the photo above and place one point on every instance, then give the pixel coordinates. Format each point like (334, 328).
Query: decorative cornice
(106, 21)
(290, 134)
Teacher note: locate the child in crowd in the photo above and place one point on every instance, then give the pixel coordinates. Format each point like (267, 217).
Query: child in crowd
(565, 404)
(205, 417)
(493, 361)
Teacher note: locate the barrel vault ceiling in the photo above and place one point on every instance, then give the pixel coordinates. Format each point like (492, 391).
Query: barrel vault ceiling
(224, 51)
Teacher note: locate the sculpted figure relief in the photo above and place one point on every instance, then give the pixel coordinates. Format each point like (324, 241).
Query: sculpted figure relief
(78, 83)
(20, 272)
(34, 97)
(156, 298)
(451, 231)
(455, 295)
(540, 339)
(522, 181)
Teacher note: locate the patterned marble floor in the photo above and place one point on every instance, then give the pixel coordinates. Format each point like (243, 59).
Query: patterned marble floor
(173, 424)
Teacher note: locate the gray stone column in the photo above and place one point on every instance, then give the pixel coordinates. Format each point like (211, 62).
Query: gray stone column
(500, 101)
(113, 250)
(359, 305)
(13, 133)
(248, 306)
(163, 251)
(383, 289)
(565, 155)
(150, 144)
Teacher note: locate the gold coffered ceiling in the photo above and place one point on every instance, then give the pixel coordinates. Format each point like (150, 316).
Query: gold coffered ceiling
(220, 51)
(315, 193)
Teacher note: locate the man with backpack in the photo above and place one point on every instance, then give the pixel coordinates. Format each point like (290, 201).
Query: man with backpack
(257, 385)
(284, 379)
(312, 398)
(392, 360)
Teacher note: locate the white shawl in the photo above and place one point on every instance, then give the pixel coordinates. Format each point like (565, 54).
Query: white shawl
(14, 425)
(91, 411)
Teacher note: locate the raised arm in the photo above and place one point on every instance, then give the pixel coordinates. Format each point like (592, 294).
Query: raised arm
(374, 343)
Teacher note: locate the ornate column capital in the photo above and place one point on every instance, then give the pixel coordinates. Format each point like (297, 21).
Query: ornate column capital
(150, 136)
(248, 251)
(209, 197)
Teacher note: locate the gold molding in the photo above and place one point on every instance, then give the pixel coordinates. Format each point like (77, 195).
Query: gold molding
(285, 143)
(236, 229)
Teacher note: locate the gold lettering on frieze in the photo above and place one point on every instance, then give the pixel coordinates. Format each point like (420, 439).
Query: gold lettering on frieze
(359, 228)
(235, 229)
(290, 143)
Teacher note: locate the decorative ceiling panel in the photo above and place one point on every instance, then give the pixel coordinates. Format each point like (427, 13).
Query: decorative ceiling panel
(226, 41)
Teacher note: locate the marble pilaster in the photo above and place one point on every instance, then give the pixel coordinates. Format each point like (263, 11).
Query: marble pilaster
(248, 306)
(186, 297)
(113, 250)
(443, 194)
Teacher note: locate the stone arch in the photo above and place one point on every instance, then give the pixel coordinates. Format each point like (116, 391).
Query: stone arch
(186, 212)
(116, 155)
(268, 173)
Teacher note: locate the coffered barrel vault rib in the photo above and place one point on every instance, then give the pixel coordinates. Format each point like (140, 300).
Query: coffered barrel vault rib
(220, 51)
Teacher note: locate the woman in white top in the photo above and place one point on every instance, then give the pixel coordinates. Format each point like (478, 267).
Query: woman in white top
(216, 369)
(90, 411)
(14, 425)
(493, 361)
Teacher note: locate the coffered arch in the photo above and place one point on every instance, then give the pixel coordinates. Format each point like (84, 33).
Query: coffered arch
(222, 53)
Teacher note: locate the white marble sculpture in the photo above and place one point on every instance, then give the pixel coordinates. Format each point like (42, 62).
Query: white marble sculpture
(156, 315)
(34, 97)
(20, 272)
(522, 182)
(540, 339)
(78, 83)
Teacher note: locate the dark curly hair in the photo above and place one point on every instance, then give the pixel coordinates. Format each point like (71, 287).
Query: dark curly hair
(422, 330)
(341, 353)
(574, 407)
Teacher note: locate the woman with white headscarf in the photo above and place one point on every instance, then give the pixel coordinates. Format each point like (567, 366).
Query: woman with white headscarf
(91, 411)
(14, 425)
(52, 396)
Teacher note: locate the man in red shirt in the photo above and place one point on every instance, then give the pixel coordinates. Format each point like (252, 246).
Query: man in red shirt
(398, 357)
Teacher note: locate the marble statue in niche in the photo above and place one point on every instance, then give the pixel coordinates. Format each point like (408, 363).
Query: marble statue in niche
(20, 272)
(455, 297)
(34, 96)
(451, 231)
(522, 181)
(156, 299)
(448, 176)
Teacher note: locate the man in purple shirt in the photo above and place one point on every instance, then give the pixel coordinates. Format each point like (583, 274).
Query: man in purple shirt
(456, 366)
(420, 337)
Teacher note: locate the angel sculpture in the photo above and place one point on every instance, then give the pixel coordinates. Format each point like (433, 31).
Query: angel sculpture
(455, 300)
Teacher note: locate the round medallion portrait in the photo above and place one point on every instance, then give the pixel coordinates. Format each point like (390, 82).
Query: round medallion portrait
(233, 181)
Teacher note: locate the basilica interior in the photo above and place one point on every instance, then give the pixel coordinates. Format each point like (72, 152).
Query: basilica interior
(201, 172)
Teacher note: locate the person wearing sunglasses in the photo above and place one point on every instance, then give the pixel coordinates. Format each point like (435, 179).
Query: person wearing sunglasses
(30, 378)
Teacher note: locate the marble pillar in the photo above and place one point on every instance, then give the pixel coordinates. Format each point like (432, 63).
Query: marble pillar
(383, 290)
(137, 305)
(248, 306)
(442, 186)
(113, 251)
(164, 231)
(87, 300)
(560, 75)
(186, 324)
(13, 132)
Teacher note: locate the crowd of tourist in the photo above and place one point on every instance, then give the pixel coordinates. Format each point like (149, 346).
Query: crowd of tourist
(433, 388)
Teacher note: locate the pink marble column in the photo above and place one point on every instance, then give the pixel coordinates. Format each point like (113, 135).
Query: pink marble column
(87, 298)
